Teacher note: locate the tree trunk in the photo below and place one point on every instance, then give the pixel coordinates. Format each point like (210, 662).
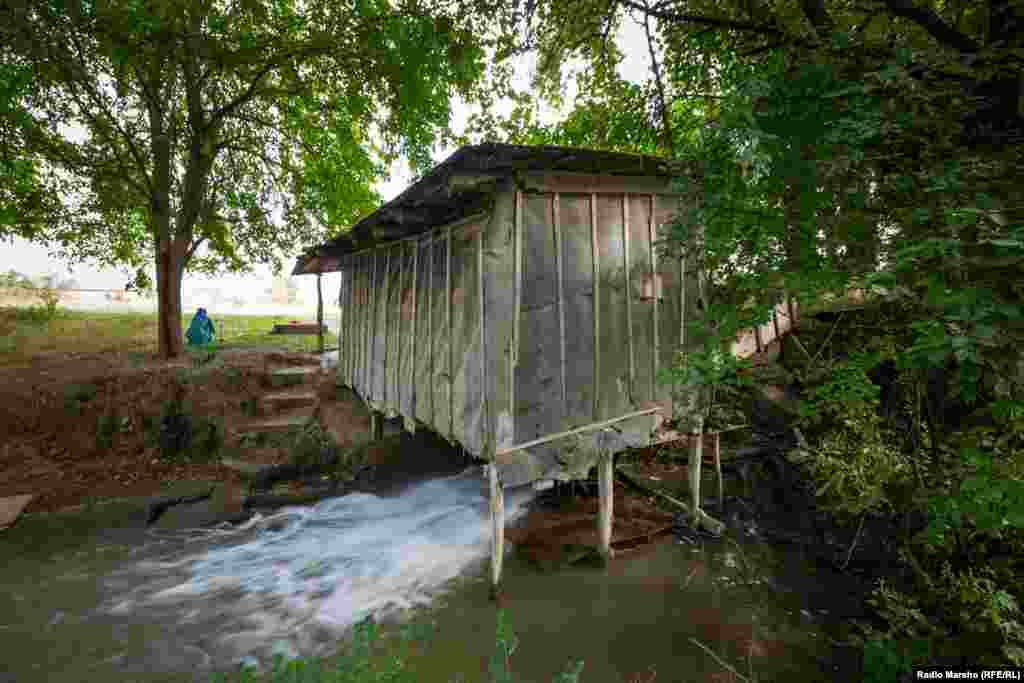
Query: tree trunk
(170, 267)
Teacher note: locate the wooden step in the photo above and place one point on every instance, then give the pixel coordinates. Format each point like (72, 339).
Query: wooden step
(282, 401)
(286, 377)
(292, 420)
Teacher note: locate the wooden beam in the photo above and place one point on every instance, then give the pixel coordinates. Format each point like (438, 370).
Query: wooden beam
(497, 505)
(560, 294)
(576, 430)
(592, 183)
(597, 306)
(655, 360)
(629, 297)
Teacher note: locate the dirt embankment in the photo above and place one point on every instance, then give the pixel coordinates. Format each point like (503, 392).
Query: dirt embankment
(80, 427)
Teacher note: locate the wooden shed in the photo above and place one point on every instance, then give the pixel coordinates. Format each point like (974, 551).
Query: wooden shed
(514, 301)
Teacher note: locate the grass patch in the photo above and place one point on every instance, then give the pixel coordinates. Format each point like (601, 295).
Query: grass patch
(24, 333)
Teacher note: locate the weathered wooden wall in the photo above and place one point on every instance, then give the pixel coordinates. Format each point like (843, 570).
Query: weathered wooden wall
(552, 312)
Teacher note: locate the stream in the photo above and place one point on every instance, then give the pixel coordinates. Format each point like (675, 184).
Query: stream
(93, 597)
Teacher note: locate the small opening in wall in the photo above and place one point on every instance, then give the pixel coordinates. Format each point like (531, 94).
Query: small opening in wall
(651, 286)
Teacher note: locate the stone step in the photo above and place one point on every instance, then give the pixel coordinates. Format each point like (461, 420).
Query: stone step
(251, 469)
(284, 400)
(292, 420)
(286, 377)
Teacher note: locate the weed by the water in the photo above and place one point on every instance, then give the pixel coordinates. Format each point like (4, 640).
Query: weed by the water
(369, 659)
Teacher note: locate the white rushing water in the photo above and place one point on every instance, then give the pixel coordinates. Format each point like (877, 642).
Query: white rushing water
(293, 581)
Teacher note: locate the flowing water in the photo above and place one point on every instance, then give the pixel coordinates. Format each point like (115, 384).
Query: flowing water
(97, 601)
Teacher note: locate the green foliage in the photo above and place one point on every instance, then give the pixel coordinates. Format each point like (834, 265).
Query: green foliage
(314, 446)
(228, 135)
(856, 468)
(13, 278)
(989, 501)
(887, 660)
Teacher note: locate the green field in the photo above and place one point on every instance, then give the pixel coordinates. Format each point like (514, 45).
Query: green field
(28, 332)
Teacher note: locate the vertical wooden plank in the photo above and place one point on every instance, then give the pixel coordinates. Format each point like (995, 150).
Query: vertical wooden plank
(386, 299)
(371, 325)
(439, 297)
(451, 334)
(430, 327)
(578, 297)
(560, 295)
(488, 432)
(410, 344)
(597, 307)
(497, 505)
(655, 285)
(517, 265)
(319, 315)
(358, 310)
(613, 382)
(629, 299)
(402, 349)
(682, 301)
(343, 333)
(539, 406)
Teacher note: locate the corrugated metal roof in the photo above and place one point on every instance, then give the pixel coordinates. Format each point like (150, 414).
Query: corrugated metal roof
(458, 185)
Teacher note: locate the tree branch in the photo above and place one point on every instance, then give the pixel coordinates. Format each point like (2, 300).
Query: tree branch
(716, 22)
(931, 22)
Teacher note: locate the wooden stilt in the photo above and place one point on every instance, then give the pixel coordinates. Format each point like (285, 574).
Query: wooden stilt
(605, 475)
(377, 425)
(497, 529)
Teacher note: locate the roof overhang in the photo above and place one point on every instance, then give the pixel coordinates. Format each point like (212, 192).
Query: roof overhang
(461, 184)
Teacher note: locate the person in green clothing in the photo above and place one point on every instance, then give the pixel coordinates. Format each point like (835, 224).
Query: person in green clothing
(200, 330)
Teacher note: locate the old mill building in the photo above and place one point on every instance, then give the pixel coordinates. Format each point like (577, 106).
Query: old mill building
(515, 301)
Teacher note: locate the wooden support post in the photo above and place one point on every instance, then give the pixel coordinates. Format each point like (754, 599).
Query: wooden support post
(319, 317)
(757, 338)
(497, 498)
(605, 487)
(696, 458)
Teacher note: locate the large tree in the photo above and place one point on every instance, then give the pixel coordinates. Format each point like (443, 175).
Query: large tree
(211, 134)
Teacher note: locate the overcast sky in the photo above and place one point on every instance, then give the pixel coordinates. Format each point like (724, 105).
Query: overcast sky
(33, 260)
